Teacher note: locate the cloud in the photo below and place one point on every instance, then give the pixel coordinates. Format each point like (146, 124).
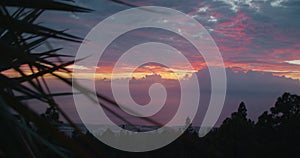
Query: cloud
(259, 41)
(295, 62)
(203, 9)
(212, 19)
(278, 3)
(78, 67)
(236, 5)
(250, 87)
(272, 33)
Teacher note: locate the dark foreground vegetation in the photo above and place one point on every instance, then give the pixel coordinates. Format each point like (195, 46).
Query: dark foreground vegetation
(275, 134)
(25, 133)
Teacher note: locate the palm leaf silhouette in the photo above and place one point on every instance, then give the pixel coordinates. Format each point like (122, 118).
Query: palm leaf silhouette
(19, 36)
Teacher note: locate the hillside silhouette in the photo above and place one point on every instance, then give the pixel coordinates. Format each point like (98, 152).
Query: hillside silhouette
(275, 134)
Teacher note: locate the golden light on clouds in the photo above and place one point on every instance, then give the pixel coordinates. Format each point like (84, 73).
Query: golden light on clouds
(179, 72)
(295, 62)
(99, 73)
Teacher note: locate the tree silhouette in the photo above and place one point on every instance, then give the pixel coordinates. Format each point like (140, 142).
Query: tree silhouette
(233, 138)
(276, 134)
(52, 115)
(278, 131)
(238, 119)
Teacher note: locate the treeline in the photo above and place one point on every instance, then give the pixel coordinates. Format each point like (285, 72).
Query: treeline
(275, 134)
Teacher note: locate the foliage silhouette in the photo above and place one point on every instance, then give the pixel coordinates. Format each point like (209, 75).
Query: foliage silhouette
(275, 134)
(24, 133)
(27, 132)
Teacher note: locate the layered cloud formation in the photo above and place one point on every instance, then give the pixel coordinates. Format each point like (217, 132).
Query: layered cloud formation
(258, 90)
(258, 35)
(259, 41)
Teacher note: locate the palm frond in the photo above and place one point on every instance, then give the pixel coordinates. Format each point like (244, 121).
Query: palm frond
(44, 4)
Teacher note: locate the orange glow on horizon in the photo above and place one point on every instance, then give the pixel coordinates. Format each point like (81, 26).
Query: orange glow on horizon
(105, 72)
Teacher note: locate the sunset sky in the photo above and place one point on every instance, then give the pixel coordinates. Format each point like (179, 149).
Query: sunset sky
(259, 41)
(251, 35)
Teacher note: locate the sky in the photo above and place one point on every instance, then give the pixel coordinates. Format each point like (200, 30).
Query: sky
(251, 35)
(259, 41)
